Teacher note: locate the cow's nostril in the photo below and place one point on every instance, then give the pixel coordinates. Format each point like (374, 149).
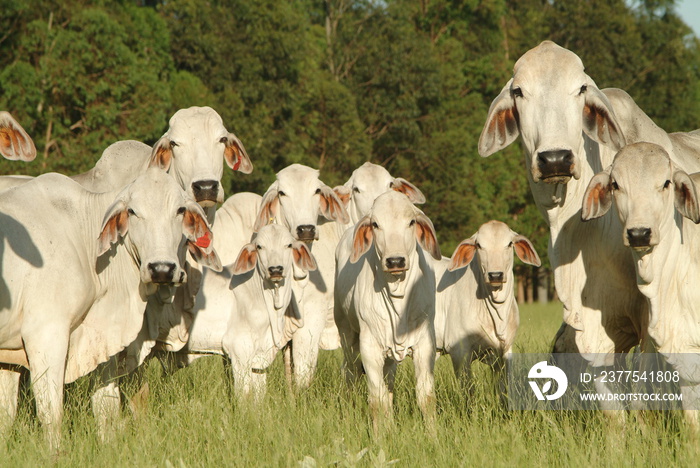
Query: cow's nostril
(495, 277)
(639, 237)
(205, 190)
(162, 272)
(396, 263)
(276, 270)
(306, 232)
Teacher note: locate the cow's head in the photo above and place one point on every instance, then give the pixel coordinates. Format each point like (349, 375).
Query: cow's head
(550, 102)
(298, 198)
(14, 142)
(646, 186)
(273, 252)
(394, 226)
(160, 221)
(194, 149)
(494, 244)
(369, 181)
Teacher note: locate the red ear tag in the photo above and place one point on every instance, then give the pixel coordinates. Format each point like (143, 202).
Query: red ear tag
(203, 241)
(237, 164)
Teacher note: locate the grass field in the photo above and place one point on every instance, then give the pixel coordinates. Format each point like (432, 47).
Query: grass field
(191, 421)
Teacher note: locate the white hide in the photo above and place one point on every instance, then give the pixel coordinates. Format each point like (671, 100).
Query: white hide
(385, 299)
(75, 285)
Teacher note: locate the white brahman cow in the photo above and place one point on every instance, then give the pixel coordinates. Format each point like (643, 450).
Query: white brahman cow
(76, 275)
(652, 197)
(571, 130)
(299, 200)
(15, 144)
(476, 315)
(385, 300)
(366, 183)
(248, 311)
(192, 150)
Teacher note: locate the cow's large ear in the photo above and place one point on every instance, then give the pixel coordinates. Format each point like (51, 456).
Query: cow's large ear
(599, 121)
(686, 196)
(114, 225)
(598, 197)
(525, 250)
(411, 191)
(331, 206)
(236, 156)
(463, 254)
(501, 128)
(15, 143)
(425, 233)
(199, 236)
(268, 207)
(162, 153)
(362, 238)
(343, 193)
(246, 259)
(303, 257)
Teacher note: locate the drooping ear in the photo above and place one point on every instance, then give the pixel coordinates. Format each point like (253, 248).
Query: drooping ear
(362, 239)
(15, 143)
(525, 250)
(425, 234)
(114, 225)
(686, 196)
(162, 153)
(598, 197)
(599, 121)
(501, 128)
(343, 193)
(303, 257)
(236, 156)
(246, 259)
(331, 206)
(463, 254)
(199, 236)
(411, 191)
(268, 207)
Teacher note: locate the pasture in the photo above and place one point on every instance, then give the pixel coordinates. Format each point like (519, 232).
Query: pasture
(191, 421)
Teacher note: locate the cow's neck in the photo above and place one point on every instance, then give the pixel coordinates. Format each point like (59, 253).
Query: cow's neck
(658, 274)
(276, 299)
(500, 306)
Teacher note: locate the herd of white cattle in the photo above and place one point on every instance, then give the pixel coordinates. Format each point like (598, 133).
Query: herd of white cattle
(103, 269)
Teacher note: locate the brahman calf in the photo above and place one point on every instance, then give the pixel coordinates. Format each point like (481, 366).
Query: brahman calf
(248, 311)
(385, 300)
(73, 288)
(652, 197)
(476, 314)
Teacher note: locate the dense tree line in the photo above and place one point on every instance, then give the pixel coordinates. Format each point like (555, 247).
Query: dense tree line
(331, 83)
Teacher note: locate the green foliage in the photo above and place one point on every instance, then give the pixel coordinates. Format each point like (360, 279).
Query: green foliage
(331, 84)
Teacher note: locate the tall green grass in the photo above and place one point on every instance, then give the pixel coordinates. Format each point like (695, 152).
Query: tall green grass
(191, 421)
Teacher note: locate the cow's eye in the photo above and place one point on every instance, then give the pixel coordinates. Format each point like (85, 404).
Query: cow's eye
(281, 194)
(131, 212)
(289, 246)
(223, 140)
(615, 186)
(510, 244)
(583, 89)
(412, 223)
(173, 144)
(356, 190)
(667, 184)
(259, 247)
(181, 210)
(375, 225)
(318, 190)
(478, 246)
(517, 92)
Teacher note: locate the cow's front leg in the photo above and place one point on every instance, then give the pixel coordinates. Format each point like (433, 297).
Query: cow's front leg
(106, 400)
(373, 360)
(424, 362)
(9, 387)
